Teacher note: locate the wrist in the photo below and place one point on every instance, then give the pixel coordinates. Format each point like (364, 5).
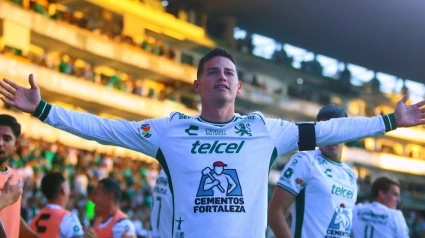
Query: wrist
(42, 110)
(390, 122)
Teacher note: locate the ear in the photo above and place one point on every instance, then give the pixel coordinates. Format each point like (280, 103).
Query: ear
(239, 88)
(381, 193)
(196, 85)
(17, 142)
(63, 190)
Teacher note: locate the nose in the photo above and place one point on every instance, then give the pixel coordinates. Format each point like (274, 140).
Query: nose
(222, 76)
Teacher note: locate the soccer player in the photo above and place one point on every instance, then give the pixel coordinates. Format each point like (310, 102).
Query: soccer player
(162, 208)
(323, 187)
(53, 220)
(111, 222)
(13, 224)
(380, 218)
(186, 146)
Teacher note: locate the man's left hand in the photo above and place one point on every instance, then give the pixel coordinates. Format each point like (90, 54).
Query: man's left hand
(409, 115)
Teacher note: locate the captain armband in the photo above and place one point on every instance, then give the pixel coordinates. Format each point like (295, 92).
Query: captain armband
(307, 136)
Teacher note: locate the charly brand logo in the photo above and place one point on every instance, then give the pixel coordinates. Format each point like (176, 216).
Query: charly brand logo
(146, 130)
(213, 132)
(288, 173)
(219, 190)
(216, 147)
(191, 131)
(328, 172)
(243, 129)
(340, 225)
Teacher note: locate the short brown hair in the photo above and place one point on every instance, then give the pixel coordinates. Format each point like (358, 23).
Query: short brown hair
(382, 184)
(213, 53)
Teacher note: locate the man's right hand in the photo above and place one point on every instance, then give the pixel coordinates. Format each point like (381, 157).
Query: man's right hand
(12, 192)
(24, 99)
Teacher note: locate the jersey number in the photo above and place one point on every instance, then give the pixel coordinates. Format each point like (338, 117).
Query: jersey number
(43, 217)
(368, 231)
(158, 198)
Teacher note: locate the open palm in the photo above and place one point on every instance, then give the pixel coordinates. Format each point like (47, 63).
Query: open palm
(24, 99)
(409, 115)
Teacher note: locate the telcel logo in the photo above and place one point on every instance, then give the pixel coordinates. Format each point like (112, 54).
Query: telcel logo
(342, 192)
(216, 147)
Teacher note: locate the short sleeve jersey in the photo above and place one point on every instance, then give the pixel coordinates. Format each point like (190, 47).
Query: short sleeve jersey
(377, 220)
(218, 172)
(325, 193)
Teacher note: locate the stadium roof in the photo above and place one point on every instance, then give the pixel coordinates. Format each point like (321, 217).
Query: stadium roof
(383, 35)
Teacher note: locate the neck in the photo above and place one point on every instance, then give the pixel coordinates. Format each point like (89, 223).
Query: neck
(3, 166)
(336, 158)
(59, 202)
(106, 213)
(218, 114)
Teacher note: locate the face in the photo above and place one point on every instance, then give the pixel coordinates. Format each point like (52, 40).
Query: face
(218, 169)
(100, 198)
(8, 143)
(332, 151)
(218, 82)
(391, 198)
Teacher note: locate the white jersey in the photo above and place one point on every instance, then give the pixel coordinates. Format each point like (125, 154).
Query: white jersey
(325, 193)
(377, 220)
(188, 147)
(162, 208)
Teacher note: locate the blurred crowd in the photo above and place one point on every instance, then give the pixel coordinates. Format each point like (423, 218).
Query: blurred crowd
(83, 169)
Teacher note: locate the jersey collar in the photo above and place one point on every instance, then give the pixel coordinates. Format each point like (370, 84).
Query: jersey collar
(331, 161)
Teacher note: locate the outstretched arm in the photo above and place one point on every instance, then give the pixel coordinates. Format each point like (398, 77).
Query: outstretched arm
(340, 130)
(131, 135)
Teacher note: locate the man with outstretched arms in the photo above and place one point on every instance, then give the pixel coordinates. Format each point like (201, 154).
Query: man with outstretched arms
(319, 188)
(162, 208)
(187, 146)
(53, 221)
(110, 222)
(380, 218)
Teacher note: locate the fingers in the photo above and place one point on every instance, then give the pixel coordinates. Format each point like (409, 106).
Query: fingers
(32, 81)
(420, 104)
(406, 97)
(7, 101)
(11, 83)
(7, 87)
(20, 182)
(6, 94)
(422, 110)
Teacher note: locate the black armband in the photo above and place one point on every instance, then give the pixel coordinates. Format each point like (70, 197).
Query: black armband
(307, 136)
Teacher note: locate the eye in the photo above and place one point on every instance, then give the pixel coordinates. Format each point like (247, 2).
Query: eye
(211, 72)
(229, 73)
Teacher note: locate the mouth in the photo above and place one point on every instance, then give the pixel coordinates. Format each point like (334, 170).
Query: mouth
(221, 86)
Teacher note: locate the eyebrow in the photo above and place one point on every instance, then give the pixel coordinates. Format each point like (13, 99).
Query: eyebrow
(215, 68)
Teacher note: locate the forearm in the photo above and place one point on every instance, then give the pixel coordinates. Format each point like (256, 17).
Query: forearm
(3, 202)
(341, 130)
(278, 224)
(25, 231)
(104, 131)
